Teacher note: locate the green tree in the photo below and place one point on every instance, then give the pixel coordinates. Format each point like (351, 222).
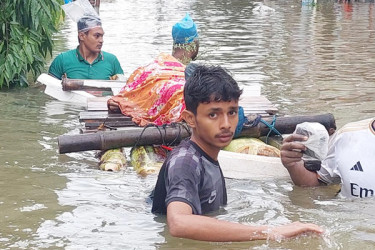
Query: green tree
(26, 29)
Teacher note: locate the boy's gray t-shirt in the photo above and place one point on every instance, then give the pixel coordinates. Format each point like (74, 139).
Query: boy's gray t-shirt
(189, 175)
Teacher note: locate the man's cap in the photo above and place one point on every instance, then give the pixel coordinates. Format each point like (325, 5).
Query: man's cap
(184, 31)
(88, 22)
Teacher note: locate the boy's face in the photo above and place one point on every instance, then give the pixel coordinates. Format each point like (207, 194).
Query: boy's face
(214, 125)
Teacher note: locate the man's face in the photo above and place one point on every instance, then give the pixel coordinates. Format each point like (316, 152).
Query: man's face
(214, 125)
(93, 39)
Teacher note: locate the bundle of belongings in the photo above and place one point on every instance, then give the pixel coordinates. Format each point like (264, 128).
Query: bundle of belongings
(154, 93)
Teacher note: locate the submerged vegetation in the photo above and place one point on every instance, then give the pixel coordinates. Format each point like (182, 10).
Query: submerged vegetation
(26, 29)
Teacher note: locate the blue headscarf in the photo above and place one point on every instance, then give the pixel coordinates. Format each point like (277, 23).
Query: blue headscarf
(184, 31)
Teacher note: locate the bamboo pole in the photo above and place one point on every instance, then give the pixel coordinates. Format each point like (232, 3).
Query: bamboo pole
(78, 84)
(104, 140)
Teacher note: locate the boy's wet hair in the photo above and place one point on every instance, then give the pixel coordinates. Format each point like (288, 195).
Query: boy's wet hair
(207, 84)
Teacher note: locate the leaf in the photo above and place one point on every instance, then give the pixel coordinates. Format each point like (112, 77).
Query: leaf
(1, 81)
(10, 59)
(23, 80)
(35, 7)
(6, 75)
(26, 29)
(2, 60)
(29, 53)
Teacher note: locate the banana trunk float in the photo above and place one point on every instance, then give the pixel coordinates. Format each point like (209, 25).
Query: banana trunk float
(147, 159)
(252, 146)
(113, 160)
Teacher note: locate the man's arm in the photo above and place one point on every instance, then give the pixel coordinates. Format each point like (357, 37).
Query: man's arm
(117, 69)
(183, 223)
(291, 157)
(56, 67)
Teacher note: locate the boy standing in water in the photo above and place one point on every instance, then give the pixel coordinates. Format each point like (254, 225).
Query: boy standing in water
(191, 182)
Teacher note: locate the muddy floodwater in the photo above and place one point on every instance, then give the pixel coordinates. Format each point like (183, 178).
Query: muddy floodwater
(306, 59)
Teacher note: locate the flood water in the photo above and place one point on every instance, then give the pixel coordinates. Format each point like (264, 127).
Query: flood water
(307, 60)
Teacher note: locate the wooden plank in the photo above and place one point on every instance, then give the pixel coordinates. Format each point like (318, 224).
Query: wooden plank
(81, 84)
(94, 119)
(93, 124)
(257, 105)
(97, 111)
(98, 103)
(251, 104)
(250, 98)
(100, 115)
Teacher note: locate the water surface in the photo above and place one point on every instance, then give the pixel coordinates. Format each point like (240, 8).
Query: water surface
(307, 60)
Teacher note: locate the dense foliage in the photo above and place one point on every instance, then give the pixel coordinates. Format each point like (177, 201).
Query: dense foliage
(26, 29)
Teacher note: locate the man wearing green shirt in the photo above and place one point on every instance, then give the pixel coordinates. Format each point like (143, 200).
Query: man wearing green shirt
(87, 61)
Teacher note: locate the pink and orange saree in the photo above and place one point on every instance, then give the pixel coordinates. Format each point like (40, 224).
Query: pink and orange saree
(153, 93)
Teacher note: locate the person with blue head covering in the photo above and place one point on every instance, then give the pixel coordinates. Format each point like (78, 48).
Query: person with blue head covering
(184, 31)
(185, 40)
(154, 92)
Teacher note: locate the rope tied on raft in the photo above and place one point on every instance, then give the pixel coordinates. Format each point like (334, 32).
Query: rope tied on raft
(271, 127)
(163, 127)
(103, 126)
(244, 121)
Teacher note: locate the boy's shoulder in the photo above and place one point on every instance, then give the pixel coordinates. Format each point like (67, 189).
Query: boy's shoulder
(185, 149)
(188, 153)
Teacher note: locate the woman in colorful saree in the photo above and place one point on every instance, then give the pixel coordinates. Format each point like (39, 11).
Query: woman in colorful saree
(154, 93)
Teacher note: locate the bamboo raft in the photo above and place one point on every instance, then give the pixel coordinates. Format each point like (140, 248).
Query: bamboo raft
(97, 111)
(117, 130)
(103, 130)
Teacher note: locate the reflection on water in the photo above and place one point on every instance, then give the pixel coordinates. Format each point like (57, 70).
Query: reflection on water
(110, 210)
(307, 59)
